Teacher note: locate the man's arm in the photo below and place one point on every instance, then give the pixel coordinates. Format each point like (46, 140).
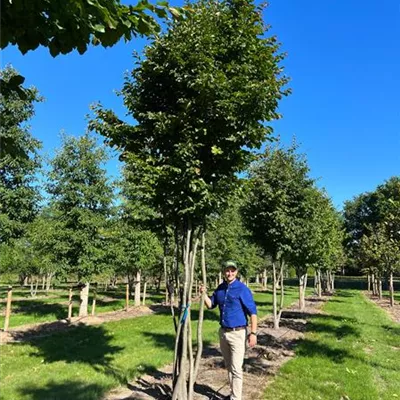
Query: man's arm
(253, 333)
(207, 300)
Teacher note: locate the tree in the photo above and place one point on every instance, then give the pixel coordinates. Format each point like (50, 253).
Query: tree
(273, 212)
(358, 213)
(19, 161)
(134, 251)
(319, 240)
(228, 239)
(201, 98)
(81, 199)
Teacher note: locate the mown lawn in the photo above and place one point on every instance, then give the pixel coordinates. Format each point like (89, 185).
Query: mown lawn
(86, 362)
(28, 310)
(351, 353)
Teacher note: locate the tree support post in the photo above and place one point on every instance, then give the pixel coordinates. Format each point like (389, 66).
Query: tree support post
(70, 305)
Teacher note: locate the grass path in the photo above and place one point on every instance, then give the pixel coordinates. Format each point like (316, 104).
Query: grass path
(350, 353)
(86, 362)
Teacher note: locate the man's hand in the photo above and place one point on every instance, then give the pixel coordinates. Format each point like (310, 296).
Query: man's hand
(202, 289)
(252, 340)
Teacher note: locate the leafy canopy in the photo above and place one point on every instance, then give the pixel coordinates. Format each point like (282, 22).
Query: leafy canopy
(201, 98)
(81, 200)
(19, 160)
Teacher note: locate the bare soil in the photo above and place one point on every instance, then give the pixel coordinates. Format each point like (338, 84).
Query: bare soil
(274, 348)
(393, 312)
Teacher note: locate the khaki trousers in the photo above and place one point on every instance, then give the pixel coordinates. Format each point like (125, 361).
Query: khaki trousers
(233, 347)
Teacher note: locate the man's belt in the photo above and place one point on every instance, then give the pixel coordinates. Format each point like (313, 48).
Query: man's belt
(237, 328)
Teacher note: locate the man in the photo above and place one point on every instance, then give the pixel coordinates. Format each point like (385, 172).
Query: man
(235, 302)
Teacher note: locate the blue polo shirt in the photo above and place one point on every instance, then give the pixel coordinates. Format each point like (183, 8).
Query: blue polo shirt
(235, 302)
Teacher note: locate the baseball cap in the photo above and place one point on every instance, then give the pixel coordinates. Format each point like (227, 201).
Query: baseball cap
(229, 264)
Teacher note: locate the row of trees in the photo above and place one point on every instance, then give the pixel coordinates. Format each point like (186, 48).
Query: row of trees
(202, 98)
(372, 222)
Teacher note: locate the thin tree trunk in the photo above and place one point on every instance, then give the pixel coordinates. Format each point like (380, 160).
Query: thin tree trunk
(48, 281)
(137, 289)
(391, 289)
(180, 359)
(332, 281)
(94, 300)
(274, 296)
(281, 275)
(144, 293)
(43, 281)
(84, 297)
(369, 283)
(165, 270)
(302, 290)
(319, 283)
(70, 304)
(264, 280)
(374, 286)
(201, 310)
(380, 288)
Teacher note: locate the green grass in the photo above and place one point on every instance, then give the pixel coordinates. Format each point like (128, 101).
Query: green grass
(28, 310)
(352, 351)
(87, 361)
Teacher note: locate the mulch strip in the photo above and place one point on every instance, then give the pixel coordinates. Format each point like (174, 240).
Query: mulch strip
(384, 303)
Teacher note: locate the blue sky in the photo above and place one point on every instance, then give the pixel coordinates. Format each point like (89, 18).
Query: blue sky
(344, 63)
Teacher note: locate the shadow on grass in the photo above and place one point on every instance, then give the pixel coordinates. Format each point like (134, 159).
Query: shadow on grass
(39, 308)
(395, 330)
(68, 390)
(339, 332)
(91, 345)
(311, 348)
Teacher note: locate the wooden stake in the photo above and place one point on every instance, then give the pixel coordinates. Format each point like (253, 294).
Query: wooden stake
(8, 308)
(70, 305)
(127, 298)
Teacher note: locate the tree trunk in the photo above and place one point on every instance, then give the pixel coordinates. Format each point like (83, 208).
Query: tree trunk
(391, 289)
(274, 296)
(43, 281)
(374, 286)
(257, 278)
(94, 300)
(319, 283)
(281, 275)
(34, 286)
(265, 278)
(332, 281)
(220, 280)
(184, 361)
(380, 288)
(302, 291)
(328, 282)
(369, 283)
(84, 297)
(48, 281)
(144, 293)
(165, 272)
(137, 289)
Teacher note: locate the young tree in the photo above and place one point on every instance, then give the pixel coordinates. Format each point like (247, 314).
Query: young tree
(201, 98)
(19, 161)
(273, 212)
(81, 199)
